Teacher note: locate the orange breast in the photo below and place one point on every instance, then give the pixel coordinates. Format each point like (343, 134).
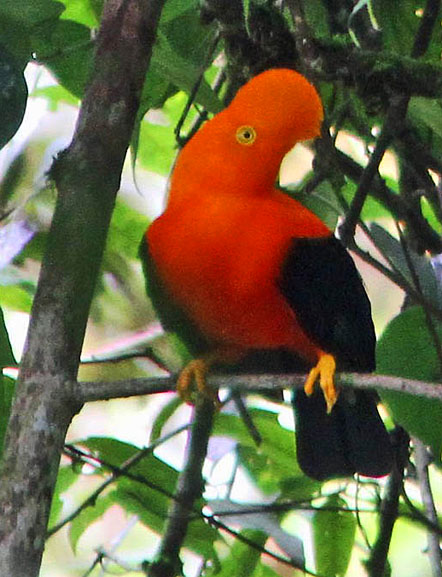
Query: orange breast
(221, 262)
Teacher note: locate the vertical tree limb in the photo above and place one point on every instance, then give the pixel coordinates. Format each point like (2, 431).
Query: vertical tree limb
(87, 176)
(377, 564)
(189, 489)
(422, 461)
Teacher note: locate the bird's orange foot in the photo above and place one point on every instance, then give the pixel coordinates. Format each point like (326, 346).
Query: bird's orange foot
(325, 370)
(195, 372)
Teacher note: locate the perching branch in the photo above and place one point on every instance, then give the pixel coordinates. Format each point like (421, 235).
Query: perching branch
(88, 391)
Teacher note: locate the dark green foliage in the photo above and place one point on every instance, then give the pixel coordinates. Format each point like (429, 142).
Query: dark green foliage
(13, 96)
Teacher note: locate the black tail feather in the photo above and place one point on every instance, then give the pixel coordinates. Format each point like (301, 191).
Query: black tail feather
(351, 439)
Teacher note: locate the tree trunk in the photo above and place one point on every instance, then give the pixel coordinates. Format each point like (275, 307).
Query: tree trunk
(87, 176)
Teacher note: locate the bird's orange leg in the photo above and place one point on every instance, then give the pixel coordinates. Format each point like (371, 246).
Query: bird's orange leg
(325, 369)
(196, 371)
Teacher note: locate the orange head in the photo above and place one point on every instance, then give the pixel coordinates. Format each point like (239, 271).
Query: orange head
(242, 147)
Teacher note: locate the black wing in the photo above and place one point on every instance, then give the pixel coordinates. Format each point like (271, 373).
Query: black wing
(320, 281)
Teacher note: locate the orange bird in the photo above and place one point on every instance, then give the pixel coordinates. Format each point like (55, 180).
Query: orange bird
(239, 270)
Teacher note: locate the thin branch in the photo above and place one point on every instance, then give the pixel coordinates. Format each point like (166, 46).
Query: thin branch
(214, 522)
(417, 285)
(395, 115)
(189, 489)
(377, 72)
(88, 391)
(422, 461)
(393, 203)
(92, 499)
(377, 563)
(417, 515)
(192, 96)
(425, 30)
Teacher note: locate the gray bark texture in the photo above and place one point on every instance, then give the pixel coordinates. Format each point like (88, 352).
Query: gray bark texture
(87, 176)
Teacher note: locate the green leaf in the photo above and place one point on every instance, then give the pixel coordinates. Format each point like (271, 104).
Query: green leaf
(246, 516)
(372, 209)
(152, 508)
(176, 8)
(13, 96)
(18, 20)
(65, 478)
(18, 298)
(85, 12)
(87, 517)
(29, 13)
(322, 201)
(243, 560)
(156, 147)
(67, 50)
(163, 416)
(425, 112)
(6, 355)
(156, 473)
(421, 264)
(182, 72)
(149, 496)
(125, 231)
(56, 95)
(398, 22)
(406, 349)
(275, 461)
(333, 538)
(7, 388)
(317, 17)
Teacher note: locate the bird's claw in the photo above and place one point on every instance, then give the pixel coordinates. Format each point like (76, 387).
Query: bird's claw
(195, 372)
(325, 370)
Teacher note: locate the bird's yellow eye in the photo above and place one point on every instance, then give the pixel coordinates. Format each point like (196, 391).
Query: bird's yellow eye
(246, 135)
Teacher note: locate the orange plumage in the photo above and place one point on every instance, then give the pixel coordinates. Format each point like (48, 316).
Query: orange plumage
(222, 239)
(235, 266)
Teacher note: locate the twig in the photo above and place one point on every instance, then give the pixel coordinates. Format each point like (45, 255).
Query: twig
(425, 30)
(214, 522)
(88, 391)
(433, 538)
(91, 500)
(417, 285)
(377, 563)
(189, 489)
(380, 72)
(393, 203)
(191, 99)
(396, 113)
(247, 419)
(419, 516)
(393, 119)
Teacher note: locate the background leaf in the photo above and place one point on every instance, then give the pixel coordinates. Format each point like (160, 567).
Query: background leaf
(333, 537)
(406, 349)
(13, 96)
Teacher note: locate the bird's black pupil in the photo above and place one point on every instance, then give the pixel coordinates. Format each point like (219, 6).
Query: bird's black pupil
(247, 134)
